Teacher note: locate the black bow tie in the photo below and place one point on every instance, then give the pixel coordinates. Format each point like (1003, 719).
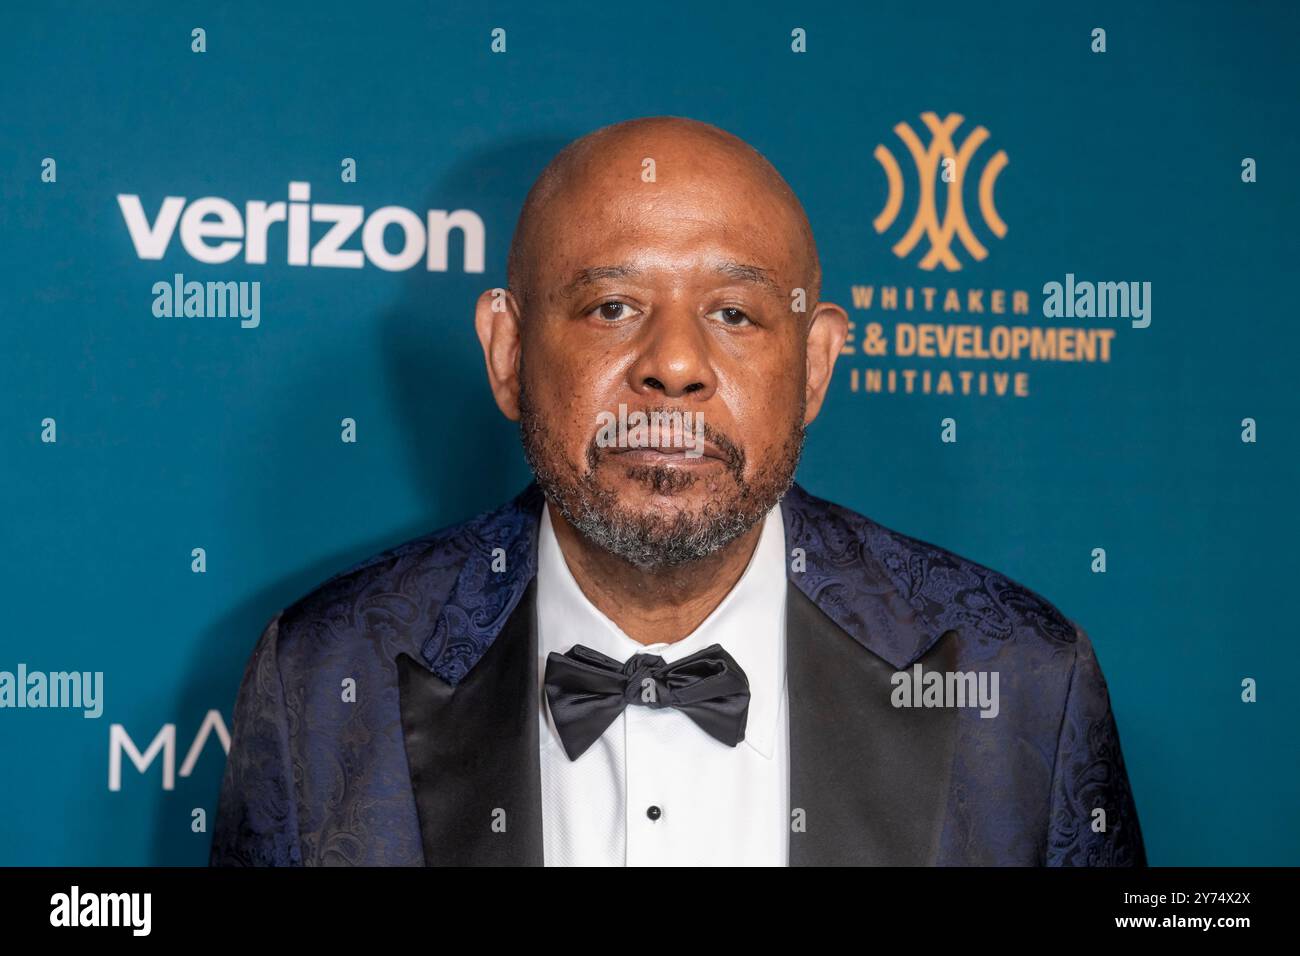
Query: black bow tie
(587, 690)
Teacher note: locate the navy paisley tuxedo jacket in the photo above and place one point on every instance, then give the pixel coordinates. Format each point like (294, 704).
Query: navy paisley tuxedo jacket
(436, 761)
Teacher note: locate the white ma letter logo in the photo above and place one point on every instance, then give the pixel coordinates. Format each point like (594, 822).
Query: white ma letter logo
(165, 740)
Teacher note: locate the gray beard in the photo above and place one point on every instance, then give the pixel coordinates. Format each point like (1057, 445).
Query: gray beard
(655, 541)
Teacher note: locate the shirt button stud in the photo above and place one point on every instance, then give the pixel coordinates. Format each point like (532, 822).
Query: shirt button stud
(653, 812)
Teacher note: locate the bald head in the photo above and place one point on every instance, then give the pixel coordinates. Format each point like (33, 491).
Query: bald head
(663, 266)
(694, 164)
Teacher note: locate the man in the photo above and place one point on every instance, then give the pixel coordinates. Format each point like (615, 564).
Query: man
(664, 651)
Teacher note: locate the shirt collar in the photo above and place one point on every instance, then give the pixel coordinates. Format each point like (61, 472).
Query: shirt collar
(749, 623)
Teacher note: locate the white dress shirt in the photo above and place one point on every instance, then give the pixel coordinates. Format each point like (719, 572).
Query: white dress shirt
(718, 805)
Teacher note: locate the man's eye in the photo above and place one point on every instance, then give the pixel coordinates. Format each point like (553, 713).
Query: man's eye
(613, 311)
(733, 317)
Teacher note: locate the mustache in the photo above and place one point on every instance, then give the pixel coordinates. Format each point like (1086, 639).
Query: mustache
(733, 456)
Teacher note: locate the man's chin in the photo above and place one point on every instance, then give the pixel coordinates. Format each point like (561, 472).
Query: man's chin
(680, 486)
(659, 532)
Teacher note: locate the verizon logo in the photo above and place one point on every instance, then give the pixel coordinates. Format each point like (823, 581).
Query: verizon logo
(215, 230)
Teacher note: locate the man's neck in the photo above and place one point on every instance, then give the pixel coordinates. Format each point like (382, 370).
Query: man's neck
(653, 606)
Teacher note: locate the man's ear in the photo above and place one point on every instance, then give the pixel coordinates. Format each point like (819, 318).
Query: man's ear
(497, 321)
(828, 329)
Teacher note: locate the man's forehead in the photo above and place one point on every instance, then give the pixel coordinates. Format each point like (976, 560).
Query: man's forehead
(663, 241)
(710, 204)
(699, 194)
(706, 267)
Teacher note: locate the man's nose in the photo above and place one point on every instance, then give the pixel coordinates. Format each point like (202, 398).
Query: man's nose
(675, 357)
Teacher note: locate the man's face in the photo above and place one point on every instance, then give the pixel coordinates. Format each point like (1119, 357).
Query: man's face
(673, 296)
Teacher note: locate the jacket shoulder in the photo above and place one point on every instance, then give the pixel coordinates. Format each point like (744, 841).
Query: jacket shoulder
(945, 589)
(392, 598)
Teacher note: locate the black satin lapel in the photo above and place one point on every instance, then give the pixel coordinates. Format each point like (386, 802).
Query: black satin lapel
(871, 779)
(473, 751)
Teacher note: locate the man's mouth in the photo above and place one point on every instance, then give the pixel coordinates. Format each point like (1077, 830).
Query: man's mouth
(663, 441)
(672, 455)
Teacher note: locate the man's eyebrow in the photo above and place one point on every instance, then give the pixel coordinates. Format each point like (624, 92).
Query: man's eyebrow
(738, 271)
(755, 275)
(594, 274)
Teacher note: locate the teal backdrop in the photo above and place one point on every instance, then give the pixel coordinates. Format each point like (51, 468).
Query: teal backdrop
(184, 432)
